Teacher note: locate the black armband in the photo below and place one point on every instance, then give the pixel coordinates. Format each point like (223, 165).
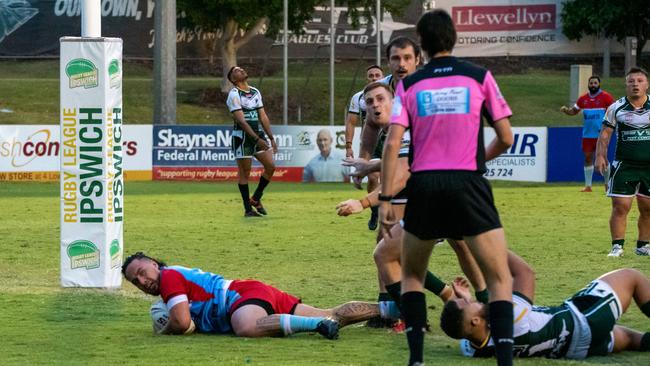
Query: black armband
(385, 198)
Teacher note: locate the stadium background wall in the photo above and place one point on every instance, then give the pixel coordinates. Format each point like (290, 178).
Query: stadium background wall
(31, 153)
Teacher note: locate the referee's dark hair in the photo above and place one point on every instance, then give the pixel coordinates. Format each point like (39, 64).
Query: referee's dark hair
(436, 31)
(636, 69)
(230, 73)
(402, 42)
(374, 67)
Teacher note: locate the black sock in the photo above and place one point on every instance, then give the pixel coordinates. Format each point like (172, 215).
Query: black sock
(259, 191)
(645, 342)
(482, 296)
(501, 327)
(395, 292)
(243, 189)
(433, 283)
(414, 308)
(375, 211)
(620, 242)
(384, 296)
(641, 243)
(645, 309)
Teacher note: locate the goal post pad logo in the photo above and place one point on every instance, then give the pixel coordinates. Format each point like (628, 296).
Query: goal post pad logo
(83, 254)
(82, 72)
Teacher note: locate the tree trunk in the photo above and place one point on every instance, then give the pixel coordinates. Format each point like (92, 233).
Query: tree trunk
(230, 44)
(640, 44)
(228, 60)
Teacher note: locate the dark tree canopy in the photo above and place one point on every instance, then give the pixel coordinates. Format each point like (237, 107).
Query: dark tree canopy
(237, 21)
(608, 18)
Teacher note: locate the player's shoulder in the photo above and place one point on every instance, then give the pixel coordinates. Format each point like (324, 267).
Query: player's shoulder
(619, 103)
(358, 95)
(607, 94)
(583, 97)
(254, 91)
(386, 79)
(233, 92)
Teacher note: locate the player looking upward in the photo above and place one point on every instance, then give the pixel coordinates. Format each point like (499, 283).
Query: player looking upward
(251, 137)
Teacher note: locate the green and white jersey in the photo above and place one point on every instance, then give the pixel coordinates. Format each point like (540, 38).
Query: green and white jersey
(358, 106)
(248, 101)
(539, 331)
(632, 129)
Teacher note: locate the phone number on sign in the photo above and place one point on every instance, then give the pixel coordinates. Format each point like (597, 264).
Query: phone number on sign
(498, 172)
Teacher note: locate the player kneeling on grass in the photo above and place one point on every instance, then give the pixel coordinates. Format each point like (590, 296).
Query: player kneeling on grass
(584, 325)
(194, 300)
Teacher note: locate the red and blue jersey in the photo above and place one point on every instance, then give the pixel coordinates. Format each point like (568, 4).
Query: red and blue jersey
(593, 111)
(443, 104)
(208, 295)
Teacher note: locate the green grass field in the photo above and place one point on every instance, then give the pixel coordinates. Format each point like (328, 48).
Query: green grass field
(31, 90)
(302, 247)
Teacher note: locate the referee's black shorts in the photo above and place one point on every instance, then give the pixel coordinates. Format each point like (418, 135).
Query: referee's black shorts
(449, 204)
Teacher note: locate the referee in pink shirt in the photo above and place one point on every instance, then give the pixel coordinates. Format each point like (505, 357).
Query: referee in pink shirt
(444, 105)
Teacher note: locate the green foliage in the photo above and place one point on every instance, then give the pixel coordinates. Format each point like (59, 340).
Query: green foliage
(607, 18)
(213, 15)
(31, 90)
(302, 247)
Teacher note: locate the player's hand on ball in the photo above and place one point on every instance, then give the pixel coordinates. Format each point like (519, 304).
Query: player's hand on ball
(159, 317)
(349, 207)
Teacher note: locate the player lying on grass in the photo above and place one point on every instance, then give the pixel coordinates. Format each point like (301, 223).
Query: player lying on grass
(584, 325)
(205, 302)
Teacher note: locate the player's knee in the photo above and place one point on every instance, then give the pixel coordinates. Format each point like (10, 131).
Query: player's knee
(630, 274)
(620, 210)
(379, 256)
(247, 332)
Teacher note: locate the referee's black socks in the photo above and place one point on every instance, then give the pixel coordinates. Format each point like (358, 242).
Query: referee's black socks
(501, 328)
(414, 310)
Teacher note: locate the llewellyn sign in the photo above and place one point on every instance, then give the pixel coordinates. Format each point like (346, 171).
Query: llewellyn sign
(92, 168)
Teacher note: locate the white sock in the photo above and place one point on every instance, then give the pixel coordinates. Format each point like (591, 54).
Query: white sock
(589, 172)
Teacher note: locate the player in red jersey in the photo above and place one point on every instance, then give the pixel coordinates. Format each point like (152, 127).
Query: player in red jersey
(593, 105)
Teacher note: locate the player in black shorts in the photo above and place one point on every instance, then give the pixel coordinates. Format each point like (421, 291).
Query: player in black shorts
(251, 136)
